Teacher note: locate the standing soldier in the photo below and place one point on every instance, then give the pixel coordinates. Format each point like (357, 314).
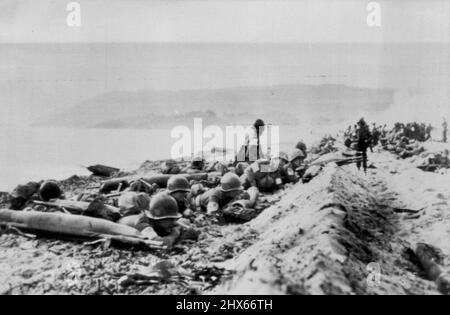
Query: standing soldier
(302, 146)
(363, 138)
(428, 131)
(445, 129)
(251, 150)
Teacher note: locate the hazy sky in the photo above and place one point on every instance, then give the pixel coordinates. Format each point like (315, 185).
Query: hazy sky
(224, 21)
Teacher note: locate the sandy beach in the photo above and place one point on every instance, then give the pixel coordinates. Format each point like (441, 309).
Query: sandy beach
(323, 237)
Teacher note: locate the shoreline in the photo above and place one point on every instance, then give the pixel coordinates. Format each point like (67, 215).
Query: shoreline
(329, 222)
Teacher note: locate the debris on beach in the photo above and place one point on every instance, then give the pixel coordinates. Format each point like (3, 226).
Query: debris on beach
(410, 141)
(102, 170)
(326, 234)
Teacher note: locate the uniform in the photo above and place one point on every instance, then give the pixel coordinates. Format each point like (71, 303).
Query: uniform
(263, 175)
(251, 149)
(363, 143)
(445, 130)
(160, 223)
(215, 195)
(289, 174)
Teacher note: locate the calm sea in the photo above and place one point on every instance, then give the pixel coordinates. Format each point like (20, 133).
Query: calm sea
(57, 153)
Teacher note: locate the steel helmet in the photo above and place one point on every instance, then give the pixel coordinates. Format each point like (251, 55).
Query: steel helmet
(198, 161)
(283, 156)
(50, 190)
(163, 206)
(240, 168)
(301, 146)
(178, 183)
(296, 154)
(230, 182)
(259, 123)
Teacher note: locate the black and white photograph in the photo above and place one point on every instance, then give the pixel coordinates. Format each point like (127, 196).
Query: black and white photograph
(234, 149)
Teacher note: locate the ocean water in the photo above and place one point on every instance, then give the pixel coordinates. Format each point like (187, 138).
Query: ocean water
(58, 153)
(40, 79)
(37, 80)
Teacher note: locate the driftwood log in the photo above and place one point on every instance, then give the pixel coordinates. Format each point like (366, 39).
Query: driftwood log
(102, 170)
(95, 208)
(160, 180)
(77, 207)
(74, 225)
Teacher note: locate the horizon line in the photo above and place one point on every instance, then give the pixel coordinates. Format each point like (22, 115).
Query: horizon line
(232, 43)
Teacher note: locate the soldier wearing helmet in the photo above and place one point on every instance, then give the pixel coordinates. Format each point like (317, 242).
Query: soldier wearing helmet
(283, 157)
(178, 187)
(217, 198)
(283, 160)
(50, 190)
(170, 167)
(296, 157)
(161, 221)
(363, 142)
(251, 150)
(197, 165)
(23, 194)
(291, 169)
(264, 174)
(302, 146)
(444, 130)
(240, 168)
